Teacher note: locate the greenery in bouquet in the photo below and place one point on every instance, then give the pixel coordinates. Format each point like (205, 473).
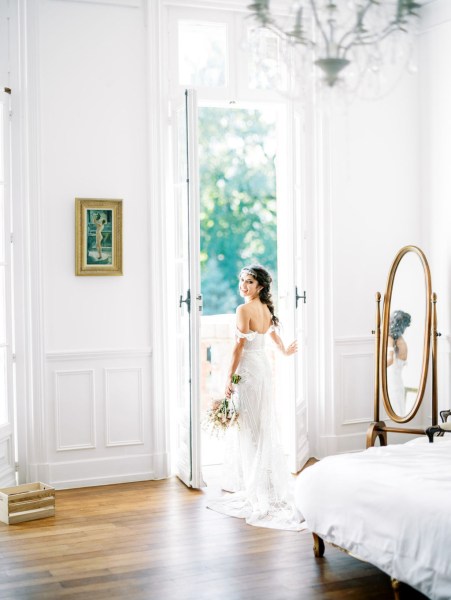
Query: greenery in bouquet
(221, 415)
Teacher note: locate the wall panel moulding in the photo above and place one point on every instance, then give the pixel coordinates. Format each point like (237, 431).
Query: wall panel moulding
(123, 3)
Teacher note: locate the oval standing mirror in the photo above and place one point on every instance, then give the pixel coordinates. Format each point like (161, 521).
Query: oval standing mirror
(406, 327)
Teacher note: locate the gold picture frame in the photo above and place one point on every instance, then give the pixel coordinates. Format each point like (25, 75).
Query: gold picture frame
(98, 236)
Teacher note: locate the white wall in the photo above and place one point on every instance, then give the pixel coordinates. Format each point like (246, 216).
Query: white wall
(94, 414)
(389, 186)
(93, 145)
(372, 208)
(435, 144)
(375, 199)
(92, 418)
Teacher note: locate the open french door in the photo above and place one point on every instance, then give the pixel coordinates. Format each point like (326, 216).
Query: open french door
(188, 295)
(291, 251)
(7, 434)
(300, 441)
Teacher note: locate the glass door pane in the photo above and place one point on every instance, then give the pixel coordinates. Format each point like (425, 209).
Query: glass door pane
(202, 57)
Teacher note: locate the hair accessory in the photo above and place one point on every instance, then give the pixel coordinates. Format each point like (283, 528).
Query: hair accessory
(250, 271)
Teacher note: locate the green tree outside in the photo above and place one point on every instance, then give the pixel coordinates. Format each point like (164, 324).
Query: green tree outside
(237, 201)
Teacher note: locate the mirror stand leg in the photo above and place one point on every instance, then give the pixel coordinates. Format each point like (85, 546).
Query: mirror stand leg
(375, 430)
(318, 546)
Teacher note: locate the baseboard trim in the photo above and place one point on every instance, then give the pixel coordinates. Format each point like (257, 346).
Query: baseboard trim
(99, 481)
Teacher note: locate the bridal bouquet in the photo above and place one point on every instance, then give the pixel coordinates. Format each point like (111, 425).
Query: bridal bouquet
(222, 414)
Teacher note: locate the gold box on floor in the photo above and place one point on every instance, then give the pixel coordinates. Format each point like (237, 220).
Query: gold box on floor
(26, 502)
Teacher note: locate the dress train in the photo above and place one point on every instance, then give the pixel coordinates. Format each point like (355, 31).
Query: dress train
(255, 474)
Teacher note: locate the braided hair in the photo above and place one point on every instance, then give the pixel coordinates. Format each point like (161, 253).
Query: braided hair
(264, 280)
(399, 321)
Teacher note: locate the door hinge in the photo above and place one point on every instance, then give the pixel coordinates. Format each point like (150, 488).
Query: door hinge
(299, 297)
(187, 300)
(199, 302)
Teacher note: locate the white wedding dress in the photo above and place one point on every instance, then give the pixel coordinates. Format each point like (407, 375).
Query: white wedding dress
(395, 386)
(255, 469)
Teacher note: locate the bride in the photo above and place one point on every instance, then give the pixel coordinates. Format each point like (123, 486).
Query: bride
(255, 469)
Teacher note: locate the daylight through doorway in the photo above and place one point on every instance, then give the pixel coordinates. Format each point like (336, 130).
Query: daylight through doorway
(238, 226)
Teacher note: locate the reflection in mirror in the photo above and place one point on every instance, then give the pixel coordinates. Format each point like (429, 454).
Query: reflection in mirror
(405, 341)
(397, 353)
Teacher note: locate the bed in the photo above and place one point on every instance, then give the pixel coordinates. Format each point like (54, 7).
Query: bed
(389, 506)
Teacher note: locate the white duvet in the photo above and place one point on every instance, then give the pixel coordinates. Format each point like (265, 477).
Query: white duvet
(390, 506)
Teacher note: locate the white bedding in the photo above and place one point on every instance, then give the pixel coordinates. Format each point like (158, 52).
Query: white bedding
(390, 506)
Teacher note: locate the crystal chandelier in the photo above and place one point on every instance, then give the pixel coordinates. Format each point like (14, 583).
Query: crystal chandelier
(336, 29)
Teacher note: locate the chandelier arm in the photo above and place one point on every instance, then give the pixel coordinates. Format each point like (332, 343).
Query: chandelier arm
(384, 34)
(319, 24)
(373, 39)
(285, 36)
(359, 21)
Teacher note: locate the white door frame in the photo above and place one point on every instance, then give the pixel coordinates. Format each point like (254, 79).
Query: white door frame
(185, 295)
(7, 400)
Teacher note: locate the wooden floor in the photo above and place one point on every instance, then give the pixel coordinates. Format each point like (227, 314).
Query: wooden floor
(157, 540)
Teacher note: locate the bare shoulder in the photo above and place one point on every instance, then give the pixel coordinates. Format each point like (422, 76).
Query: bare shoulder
(242, 318)
(242, 309)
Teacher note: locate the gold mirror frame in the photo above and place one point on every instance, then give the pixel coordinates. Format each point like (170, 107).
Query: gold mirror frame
(426, 337)
(378, 429)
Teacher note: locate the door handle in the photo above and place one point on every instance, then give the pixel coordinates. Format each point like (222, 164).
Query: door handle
(187, 301)
(298, 297)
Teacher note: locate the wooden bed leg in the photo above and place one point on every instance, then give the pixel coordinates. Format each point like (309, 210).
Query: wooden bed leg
(318, 546)
(395, 587)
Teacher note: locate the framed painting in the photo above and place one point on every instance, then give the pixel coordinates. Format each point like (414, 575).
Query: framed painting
(98, 237)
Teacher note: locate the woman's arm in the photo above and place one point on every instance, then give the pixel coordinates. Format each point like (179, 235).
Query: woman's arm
(242, 323)
(390, 350)
(291, 349)
(236, 357)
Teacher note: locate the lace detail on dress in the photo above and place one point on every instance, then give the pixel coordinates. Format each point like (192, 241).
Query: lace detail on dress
(395, 385)
(252, 334)
(255, 468)
(248, 336)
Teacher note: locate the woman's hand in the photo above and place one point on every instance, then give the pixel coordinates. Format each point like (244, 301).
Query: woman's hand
(229, 388)
(291, 349)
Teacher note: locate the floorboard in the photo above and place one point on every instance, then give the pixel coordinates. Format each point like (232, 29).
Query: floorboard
(157, 540)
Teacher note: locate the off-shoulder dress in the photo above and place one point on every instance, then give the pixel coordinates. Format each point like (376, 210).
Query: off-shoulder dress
(255, 472)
